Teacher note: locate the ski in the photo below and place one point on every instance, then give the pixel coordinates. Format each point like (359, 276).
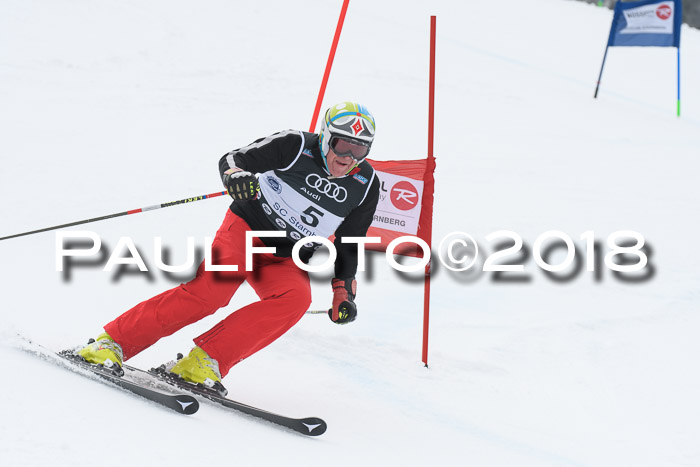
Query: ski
(181, 403)
(310, 426)
(153, 384)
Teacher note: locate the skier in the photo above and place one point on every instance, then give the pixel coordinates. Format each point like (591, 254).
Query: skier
(306, 185)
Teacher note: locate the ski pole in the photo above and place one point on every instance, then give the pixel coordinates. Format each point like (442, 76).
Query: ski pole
(316, 312)
(125, 213)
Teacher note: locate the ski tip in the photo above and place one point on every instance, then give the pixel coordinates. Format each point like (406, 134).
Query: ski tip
(313, 426)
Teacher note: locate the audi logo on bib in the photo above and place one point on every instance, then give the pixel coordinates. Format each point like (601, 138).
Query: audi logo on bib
(328, 188)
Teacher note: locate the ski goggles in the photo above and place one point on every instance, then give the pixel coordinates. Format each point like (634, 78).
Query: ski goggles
(345, 147)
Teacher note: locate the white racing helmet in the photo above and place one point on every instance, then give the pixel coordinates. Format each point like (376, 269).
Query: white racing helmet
(348, 128)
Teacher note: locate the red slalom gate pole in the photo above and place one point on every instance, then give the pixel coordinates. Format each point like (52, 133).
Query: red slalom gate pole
(429, 182)
(119, 214)
(329, 64)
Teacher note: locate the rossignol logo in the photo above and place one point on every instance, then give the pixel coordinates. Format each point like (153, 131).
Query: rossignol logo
(326, 187)
(404, 196)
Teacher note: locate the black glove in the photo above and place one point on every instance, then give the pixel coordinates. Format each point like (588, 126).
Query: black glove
(344, 309)
(241, 185)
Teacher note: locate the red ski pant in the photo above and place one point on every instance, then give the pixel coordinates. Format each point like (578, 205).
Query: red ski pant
(283, 288)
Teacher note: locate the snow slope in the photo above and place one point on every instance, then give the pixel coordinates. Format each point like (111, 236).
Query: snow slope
(109, 106)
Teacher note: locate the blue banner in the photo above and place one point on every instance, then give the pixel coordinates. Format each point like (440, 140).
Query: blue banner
(655, 23)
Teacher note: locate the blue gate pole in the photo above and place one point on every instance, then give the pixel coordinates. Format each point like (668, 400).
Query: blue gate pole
(678, 102)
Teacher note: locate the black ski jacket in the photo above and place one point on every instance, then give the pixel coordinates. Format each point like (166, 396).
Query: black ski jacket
(298, 196)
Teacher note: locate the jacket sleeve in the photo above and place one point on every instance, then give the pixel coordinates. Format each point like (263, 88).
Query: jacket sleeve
(273, 152)
(355, 224)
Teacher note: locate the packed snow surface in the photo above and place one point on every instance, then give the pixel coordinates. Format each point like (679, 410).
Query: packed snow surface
(109, 106)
